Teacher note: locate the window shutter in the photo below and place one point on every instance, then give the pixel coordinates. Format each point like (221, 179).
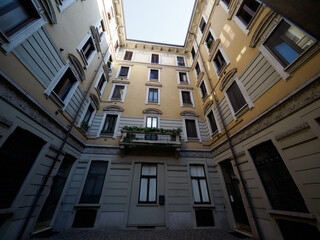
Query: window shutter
(96, 37)
(106, 71)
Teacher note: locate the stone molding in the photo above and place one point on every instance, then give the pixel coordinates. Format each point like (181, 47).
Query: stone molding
(292, 131)
(207, 107)
(113, 108)
(152, 111)
(95, 100)
(229, 76)
(189, 114)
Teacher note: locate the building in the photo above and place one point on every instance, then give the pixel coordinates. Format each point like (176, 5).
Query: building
(235, 114)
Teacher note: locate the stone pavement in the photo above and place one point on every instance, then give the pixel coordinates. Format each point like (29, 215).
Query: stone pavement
(188, 234)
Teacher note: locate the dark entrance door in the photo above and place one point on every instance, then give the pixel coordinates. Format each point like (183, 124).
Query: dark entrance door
(51, 203)
(232, 185)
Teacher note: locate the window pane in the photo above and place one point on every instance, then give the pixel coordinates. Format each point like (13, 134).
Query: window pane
(204, 190)
(93, 187)
(154, 74)
(277, 181)
(219, 61)
(143, 189)
(191, 128)
(149, 170)
(110, 124)
(180, 61)
(212, 122)
(152, 189)
(128, 55)
(183, 77)
(118, 92)
(195, 190)
(154, 122)
(193, 53)
(197, 171)
(203, 90)
(287, 43)
(236, 98)
(248, 10)
(64, 85)
(124, 71)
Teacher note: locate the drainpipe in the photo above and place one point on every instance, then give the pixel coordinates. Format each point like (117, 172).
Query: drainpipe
(64, 141)
(230, 144)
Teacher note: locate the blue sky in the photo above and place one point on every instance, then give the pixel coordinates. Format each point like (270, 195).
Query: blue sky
(164, 21)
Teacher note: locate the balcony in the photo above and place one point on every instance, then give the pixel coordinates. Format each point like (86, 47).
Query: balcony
(151, 139)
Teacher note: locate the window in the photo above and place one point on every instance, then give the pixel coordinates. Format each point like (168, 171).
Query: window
(193, 53)
(209, 40)
(93, 186)
(109, 124)
(154, 75)
(154, 58)
(183, 78)
(124, 72)
(247, 11)
(212, 122)
(148, 184)
(118, 92)
(87, 50)
(65, 84)
(219, 62)
(116, 45)
(199, 185)
(101, 29)
(152, 122)
(87, 117)
(63, 4)
(235, 97)
(180, 61)
(276, 179)
(101, 84)
(226, 2)
(287, 42)
(15, 15)
(153, 95)
(203, 91)
(191, 128)
(84, 218)
(186, 98)
(17, 154)
(128, 56)
(202, 25)
(197, 68)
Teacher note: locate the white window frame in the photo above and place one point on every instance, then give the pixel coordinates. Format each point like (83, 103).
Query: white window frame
(159, 74)
(155, 54)
(10, 43)
(181, 100)
(187, 75)
(224, 55)
(204, 30)
(207, 184)
(117, 123)
(184, 60)
(245, 29)
(97, 27)
(205, 84)
(124, 92)
(125, 55)
(84, 113)
(273, 60)
(244, 93)
(129, 71)
(147, 96)
(215, 119)
(65, 4)
(150, 115)
(224, 6)
(185, 128)
(56, 80)
(213, 35)
(103, 86)
(87, 62)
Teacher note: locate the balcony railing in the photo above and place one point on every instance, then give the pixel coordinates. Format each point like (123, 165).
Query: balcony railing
(150, 136)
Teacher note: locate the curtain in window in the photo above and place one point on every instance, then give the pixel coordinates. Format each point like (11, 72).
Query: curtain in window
(124, 71)
(118, 92)
(236, 98)
(212, 122)
(110, 124)
(186, 97)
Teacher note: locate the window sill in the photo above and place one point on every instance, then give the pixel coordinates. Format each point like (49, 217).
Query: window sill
(153, 80)
(291, 214)
(191, 139)
(203, 205)
(65, 5)
(87, 205)
(147, 205)
(242, 111)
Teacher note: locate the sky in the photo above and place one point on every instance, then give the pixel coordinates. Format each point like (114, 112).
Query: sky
(163, 21)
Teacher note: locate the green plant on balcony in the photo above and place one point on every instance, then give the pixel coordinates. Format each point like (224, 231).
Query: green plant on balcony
(135, 129)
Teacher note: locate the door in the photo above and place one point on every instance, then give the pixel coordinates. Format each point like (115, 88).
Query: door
(52, 200)
(147, 196)
(232, 185)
